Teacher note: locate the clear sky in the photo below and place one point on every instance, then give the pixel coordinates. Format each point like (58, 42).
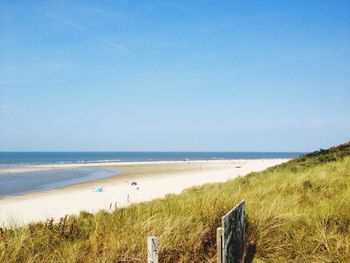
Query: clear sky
(174, 75)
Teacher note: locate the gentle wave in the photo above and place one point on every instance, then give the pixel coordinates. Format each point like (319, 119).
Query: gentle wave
(34, 158)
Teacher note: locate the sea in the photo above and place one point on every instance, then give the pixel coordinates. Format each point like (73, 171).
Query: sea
(13, 182)
(34, 158)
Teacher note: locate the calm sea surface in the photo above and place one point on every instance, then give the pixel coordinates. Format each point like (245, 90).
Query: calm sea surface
(13, 182)
(28, 158)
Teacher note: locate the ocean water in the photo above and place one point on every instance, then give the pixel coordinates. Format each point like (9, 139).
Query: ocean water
(34, 181)
(13, 182)
(28, 158)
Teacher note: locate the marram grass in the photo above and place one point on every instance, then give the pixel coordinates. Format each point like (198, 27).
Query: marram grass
(296, 212)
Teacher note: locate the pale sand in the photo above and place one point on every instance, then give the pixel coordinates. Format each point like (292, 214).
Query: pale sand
(155, 180)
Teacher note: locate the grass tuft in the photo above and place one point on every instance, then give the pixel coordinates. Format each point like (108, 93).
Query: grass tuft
(297, 212)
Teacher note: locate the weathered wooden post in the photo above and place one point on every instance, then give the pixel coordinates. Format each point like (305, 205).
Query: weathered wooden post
(232, 232)
(219, 244)
(152, 249)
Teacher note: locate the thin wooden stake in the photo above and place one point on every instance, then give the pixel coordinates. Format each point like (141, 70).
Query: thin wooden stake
(219, 244)
(152, 249)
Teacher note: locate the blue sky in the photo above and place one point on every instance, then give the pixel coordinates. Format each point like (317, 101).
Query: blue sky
(174, 75)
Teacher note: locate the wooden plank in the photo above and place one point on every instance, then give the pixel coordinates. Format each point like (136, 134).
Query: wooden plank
(219, 244)
(152, 249)
(233, 234)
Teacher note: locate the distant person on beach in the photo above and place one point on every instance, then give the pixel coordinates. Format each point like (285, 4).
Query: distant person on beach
(136, 185)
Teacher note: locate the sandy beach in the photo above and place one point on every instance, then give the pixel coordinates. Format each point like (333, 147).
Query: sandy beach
(154, 180)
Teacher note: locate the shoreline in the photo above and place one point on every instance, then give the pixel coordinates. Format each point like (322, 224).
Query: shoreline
(154, 180)
(41, 167)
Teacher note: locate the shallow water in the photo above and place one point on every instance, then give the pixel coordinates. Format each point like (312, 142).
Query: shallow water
(40, 180)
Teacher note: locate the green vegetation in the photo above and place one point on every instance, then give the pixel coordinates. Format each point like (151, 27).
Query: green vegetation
(297, 212)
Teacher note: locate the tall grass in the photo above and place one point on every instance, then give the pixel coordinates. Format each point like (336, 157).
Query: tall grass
(297, 212)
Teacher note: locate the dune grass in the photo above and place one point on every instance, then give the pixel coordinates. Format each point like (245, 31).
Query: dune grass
(296, 212)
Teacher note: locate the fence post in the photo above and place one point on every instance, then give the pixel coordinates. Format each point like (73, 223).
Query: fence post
(219, 244)
(233, 234)
(152, 249)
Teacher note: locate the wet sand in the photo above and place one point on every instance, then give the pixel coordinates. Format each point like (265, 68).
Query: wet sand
(153, 180)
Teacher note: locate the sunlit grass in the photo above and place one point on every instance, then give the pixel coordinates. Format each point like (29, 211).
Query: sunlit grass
(297, 212)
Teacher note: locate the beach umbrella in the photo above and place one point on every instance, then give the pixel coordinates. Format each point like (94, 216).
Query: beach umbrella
(133, 183)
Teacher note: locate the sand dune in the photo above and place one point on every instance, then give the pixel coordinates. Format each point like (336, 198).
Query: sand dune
(154, 180)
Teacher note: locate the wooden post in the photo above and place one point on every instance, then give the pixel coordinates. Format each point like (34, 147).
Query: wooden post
(152, 249)
(233, 234)
(219, 244)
